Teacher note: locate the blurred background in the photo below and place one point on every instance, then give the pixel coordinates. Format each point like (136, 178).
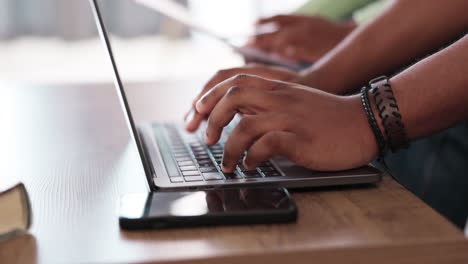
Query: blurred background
(56, 40)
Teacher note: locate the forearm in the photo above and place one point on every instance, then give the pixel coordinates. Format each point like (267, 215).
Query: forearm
(433, 94)
(405, 31)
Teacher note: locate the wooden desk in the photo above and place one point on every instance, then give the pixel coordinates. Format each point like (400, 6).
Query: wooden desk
(70, 146)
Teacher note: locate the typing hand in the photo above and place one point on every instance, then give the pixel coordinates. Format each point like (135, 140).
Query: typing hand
(300, 38)
(311, 128)
(193, 118)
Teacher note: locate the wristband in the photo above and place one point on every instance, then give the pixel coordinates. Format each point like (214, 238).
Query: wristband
(389, 113)
(373, 122)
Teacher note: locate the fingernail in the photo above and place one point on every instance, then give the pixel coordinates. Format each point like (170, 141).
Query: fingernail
(207, 137)
(244, 163)
(188, 124)
(189, 127)
(198, 106)
(225, 168)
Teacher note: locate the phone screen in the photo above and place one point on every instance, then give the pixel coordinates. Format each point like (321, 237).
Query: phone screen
(200, 203)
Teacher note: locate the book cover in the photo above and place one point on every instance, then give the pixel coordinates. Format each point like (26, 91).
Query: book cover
(15, 211)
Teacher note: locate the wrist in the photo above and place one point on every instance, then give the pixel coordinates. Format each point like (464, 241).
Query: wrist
(390, 125)
(365, 136)
(320, 78)
(375, 112)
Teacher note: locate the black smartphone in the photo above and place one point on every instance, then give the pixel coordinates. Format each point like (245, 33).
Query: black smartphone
(210, 207)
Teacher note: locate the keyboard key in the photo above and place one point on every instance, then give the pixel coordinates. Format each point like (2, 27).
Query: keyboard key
(184, 159)
(241, 167)
(177, 179)
(252, 174)
(186, 163)
(181, 155)
(209, 169)
(202, 157)
(210, 176)
(179, 149)
(220, 149)
(193, 178)
(264, 169)
(204, 161)
(195, 150)
(272, 174)
(191, 173)
(232, 176)
(188, 168)
(206, 165)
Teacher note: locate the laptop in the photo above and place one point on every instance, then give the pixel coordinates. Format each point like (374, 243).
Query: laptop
(175, 159)
(181, 14)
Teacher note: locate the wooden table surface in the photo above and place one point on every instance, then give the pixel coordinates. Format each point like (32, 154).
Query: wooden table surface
(70, 146)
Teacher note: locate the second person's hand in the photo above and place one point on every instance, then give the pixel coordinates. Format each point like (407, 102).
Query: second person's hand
(301, 38)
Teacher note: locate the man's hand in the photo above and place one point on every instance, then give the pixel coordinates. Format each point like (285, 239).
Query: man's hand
(311, 128)
(301, 38)
(193, 118)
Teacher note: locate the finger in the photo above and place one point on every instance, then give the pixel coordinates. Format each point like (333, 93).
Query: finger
(194, 120)
(237, 100)
(263, 41)
(247, 131)
(284, 40)
(289, 52)
(251, 69)
(275, 143)
(278, 19)
(220, 76)
(298, 54)
(206, 104)
(261, 70)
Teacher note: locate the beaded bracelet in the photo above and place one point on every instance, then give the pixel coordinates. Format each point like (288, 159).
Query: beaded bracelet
(382, 145)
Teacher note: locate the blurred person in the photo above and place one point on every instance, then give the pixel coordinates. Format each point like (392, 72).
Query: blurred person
(315, 29)
(400, 35)
(285, 113)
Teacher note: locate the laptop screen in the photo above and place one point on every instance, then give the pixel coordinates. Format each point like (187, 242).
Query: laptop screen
(102, 19)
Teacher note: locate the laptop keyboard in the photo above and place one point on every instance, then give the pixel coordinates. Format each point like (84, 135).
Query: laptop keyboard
(197, 161)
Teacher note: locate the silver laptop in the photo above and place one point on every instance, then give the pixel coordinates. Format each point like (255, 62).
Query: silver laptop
(174, 159)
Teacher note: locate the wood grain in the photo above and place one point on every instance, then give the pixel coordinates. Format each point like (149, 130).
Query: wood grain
(70, 147)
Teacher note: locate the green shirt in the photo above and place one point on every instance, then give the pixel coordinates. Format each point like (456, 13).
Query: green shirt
(332, 9)
(369, 12)
(338, 10)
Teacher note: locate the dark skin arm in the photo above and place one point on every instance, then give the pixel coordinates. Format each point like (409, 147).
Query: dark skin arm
(301, 38)
(405, 31)
(307, 126)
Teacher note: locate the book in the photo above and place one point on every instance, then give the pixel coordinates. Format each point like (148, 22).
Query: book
(15, 211)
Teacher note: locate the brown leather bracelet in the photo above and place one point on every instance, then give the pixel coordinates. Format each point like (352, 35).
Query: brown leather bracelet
(389, 113)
